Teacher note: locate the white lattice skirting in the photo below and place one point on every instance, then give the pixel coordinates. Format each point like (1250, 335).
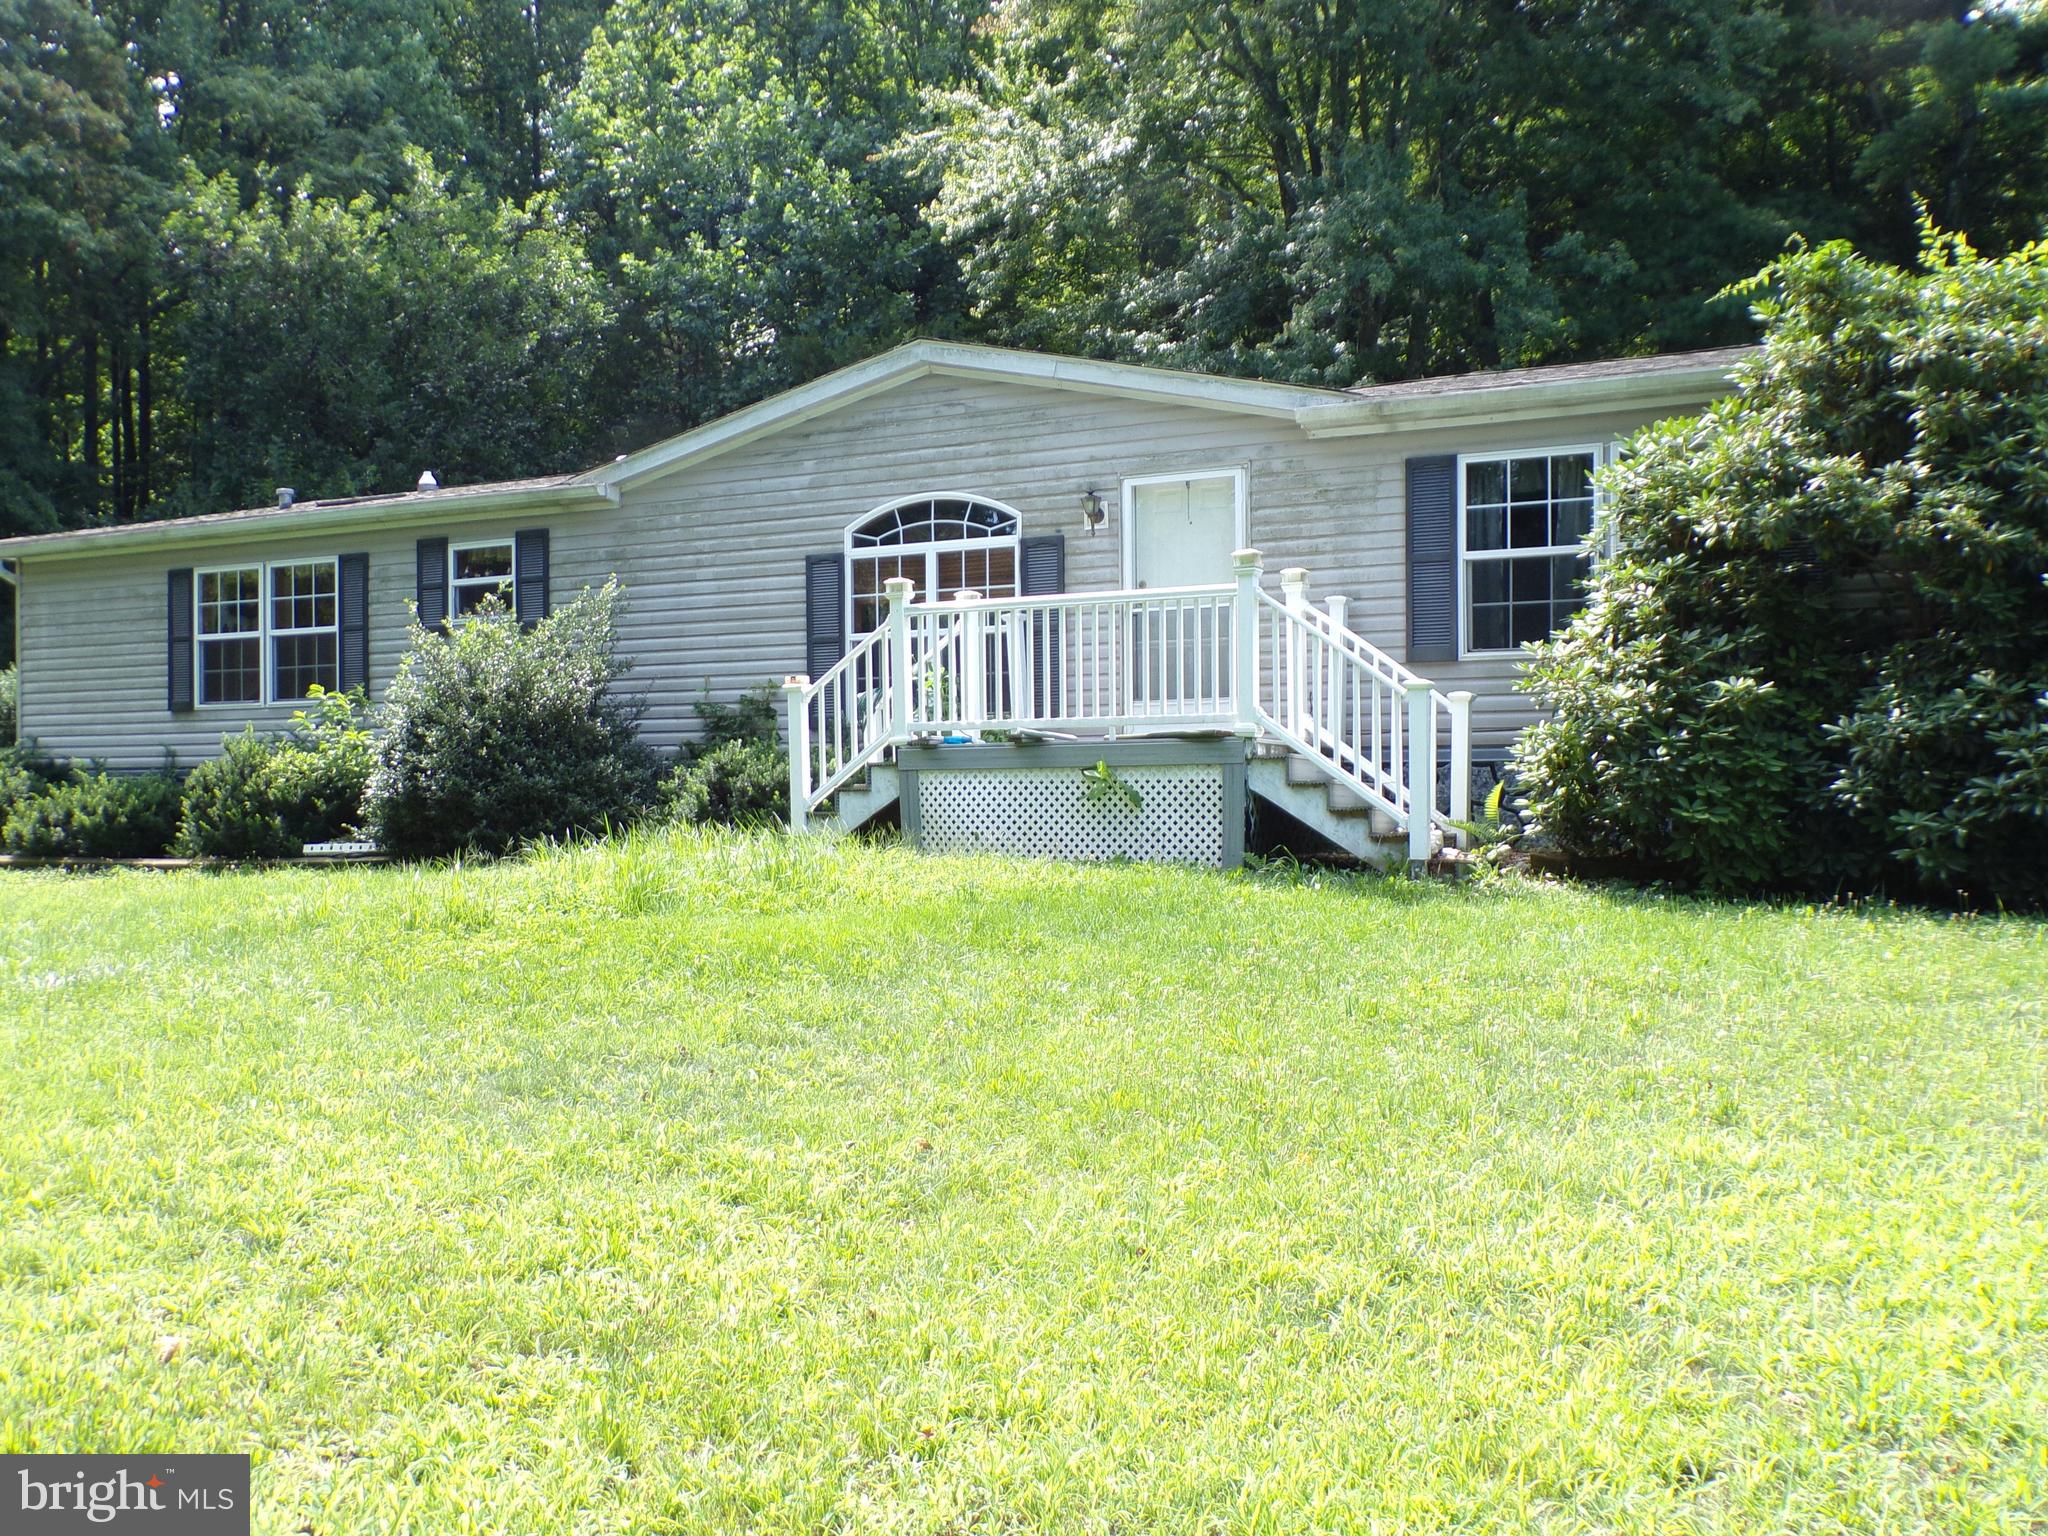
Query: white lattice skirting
(1047, 813)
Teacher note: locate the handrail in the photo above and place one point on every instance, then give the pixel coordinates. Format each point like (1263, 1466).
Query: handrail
(849, 717)
(1225, 655)
(1368, 721)
(966, 602)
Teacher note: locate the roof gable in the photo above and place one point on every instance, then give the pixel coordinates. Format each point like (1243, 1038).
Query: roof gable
(948, 359)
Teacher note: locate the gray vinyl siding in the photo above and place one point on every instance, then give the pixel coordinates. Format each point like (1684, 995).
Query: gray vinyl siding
(712, 555)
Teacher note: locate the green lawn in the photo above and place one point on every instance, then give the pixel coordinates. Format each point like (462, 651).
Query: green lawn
(740, 1184)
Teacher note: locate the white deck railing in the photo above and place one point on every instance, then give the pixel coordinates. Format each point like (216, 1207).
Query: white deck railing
(1129, 662)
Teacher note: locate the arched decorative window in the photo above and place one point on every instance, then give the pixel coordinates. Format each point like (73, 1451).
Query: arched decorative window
(946, 543)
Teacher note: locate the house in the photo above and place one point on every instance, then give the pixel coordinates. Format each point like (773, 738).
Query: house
(1095, 513)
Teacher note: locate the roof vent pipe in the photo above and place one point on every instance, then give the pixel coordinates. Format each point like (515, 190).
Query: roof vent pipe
(286, 495)
(427, 481)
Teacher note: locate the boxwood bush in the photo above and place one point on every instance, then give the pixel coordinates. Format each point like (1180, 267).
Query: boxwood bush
(736, 783)
(1818, 656)
(266, 797)
(496, 735)
(94, 814)
(735, 773)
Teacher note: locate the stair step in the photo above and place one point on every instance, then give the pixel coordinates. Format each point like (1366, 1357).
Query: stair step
(1301, 771)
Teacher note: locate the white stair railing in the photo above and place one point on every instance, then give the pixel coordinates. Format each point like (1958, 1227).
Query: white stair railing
(1116, 662)
(849, 717)
(1370, 723)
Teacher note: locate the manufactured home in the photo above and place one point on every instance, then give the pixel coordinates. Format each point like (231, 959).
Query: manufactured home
(979, 576)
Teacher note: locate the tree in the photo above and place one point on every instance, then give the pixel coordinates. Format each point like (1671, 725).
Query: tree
(721, 158)
(348, 346)
(1331, 191)
(1818, 654)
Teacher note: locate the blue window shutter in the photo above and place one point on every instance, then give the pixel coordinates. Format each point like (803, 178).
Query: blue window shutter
(530, 573)
(824, 612)
(433, 583)
(1042, 572)
(1432, 559)
(179, 649)
(353, 581)
(1044, 565)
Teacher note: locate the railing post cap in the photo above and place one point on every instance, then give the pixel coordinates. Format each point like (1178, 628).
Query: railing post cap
(967, 595)
(1416, 685)
(899, 588)
(1460, 696)
(1247, 560)
(796, 682)
(1294, 576)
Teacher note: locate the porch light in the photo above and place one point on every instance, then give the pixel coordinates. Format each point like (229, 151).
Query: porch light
(1093, 512)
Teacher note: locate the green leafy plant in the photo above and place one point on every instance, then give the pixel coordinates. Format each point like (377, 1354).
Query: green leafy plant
(1818, 654)
(752, 717)
(1492, 836)
(95, 814)
(495, 735)
(10, 704)
(737, 783)
(266, 797)
(1106, 787)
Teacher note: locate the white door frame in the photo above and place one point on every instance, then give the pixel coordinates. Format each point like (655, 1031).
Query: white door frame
(1239, 479)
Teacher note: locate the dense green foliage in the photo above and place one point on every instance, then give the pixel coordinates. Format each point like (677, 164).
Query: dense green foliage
(1819, 654)
(92, 814)
(267, 243)
(736, 783)
(266, 797)
(694, 1183)
(10, 704)
(495, 735)
(734, 772)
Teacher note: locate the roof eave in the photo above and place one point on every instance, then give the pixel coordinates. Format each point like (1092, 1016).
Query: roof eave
(1504, 404)
(299, 521)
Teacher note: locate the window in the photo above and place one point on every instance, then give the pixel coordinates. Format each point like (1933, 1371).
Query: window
(304, 634)
(946, 544)
(230, 633)
(288, 612)
(1523, 522)
(478, 571)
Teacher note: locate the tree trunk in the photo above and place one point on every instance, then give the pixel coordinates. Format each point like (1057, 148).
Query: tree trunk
(89, 400)
(145, 407)
(117, 438)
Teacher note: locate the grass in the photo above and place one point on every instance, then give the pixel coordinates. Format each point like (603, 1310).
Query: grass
(708, 1184)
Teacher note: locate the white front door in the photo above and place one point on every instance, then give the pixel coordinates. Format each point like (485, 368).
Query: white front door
(1181, 531)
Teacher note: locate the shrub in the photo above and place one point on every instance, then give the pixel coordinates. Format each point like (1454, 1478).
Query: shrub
(227, 813)
(321, 767)
(10, 704)
(754, 716)
(738, 783)
(495, 735)
(95, 814)
(266, 797)
(1819, 653)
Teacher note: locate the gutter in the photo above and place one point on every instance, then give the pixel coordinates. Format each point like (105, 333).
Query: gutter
(308, 518)
(1483, 406)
